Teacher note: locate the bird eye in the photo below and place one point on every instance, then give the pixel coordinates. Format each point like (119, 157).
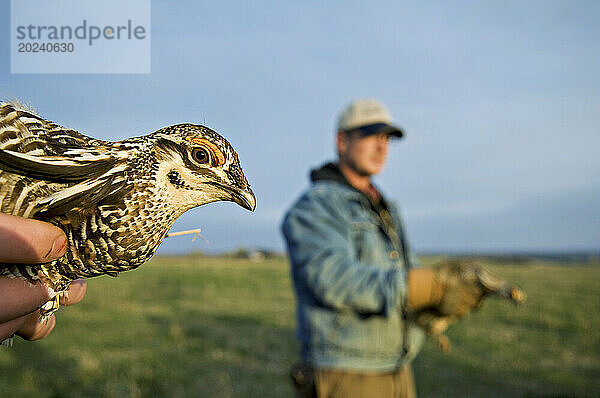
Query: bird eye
(214, 154)
(200, 155)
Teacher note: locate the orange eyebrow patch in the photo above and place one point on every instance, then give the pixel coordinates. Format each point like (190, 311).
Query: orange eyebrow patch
(213, 148)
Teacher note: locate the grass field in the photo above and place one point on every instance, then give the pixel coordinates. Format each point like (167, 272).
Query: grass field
(218, 327)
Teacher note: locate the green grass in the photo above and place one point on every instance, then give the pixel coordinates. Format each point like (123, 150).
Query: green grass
(217, 327)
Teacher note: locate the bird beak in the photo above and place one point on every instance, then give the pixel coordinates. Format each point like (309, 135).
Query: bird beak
(245, 198)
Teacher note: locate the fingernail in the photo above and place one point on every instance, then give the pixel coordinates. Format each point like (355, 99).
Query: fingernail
(59, 247)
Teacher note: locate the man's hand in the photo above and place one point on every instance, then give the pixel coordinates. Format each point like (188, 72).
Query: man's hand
(440, 289)
(424, 290)
(30, 241)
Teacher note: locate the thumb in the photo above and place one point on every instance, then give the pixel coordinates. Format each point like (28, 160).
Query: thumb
(23, 240)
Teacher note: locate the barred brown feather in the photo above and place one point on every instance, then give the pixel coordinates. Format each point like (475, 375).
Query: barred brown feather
(115, 201)
(473, 280)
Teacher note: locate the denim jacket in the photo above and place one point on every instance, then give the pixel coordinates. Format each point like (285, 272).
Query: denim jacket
(349, 277)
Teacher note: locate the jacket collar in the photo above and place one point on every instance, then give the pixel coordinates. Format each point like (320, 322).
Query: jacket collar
(331, 172)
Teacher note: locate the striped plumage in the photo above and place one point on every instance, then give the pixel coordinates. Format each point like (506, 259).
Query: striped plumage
(114, 200)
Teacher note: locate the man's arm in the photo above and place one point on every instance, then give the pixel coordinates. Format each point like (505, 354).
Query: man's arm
(322, 257)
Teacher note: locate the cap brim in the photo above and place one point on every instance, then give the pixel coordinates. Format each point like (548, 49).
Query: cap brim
(380, 128)
(393, 131)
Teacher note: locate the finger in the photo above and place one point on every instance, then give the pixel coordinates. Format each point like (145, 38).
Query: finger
(24, 240)
(74, 293)
(7, 329)
(34, 328)
(20, 297)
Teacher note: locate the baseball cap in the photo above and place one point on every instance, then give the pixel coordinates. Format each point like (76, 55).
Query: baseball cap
(368, 116)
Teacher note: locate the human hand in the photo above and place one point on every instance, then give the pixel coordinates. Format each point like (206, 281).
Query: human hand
(444, 289)
(30, 241)
(424, 290)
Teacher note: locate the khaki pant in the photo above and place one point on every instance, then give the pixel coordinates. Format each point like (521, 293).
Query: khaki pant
(332, 383)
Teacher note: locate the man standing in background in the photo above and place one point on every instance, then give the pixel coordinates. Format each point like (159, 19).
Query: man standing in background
(353, 272)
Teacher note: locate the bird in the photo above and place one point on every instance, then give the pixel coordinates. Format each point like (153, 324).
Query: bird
(464, 278)
(115, 201)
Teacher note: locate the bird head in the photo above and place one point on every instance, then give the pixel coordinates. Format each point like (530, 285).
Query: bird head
(198, 166)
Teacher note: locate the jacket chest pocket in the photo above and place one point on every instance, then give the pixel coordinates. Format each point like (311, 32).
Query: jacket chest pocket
(369, 243)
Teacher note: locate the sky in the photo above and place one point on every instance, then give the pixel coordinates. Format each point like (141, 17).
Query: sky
(500, 101)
